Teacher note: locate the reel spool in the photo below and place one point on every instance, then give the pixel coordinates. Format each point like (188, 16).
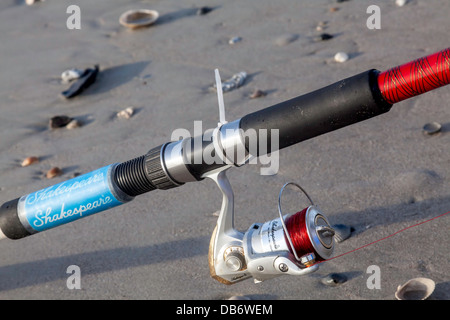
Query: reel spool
(307, 231)
(307, 235)
(311, 234)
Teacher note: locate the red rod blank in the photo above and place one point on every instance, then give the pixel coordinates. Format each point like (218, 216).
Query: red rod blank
(416, 77)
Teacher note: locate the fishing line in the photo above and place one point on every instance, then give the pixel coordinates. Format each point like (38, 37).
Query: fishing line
(308, 234)
(387, 237)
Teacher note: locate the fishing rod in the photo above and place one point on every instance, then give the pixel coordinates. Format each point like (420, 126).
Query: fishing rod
(289, 244)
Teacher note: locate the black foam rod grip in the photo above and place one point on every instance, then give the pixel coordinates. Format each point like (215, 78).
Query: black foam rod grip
(330, 108)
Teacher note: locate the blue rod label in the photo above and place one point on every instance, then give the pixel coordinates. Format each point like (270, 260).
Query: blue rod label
(68, 201)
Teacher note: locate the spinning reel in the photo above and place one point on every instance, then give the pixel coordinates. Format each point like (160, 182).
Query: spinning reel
(287, 245)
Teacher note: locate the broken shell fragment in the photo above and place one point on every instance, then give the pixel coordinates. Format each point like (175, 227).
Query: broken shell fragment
(334, 279)
(204, 10)
(323, 37)
(59, 122)
(401, 3)
(71, 74)
(341, 232)
(53, 172)
(238, 298)
(31, 2)
(234, 82)
(138, 18)
(83, 82)
(234, 40)
(257, 94)
(29, 161)
(126, 113)
(415, 289)
(73, 124)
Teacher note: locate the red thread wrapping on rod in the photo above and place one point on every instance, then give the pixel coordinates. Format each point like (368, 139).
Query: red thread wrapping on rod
(415, 77)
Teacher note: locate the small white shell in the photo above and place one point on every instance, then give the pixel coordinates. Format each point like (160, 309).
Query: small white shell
(401, 3)
(73, 124)
(71, 74)
(31, 2)
(126, 113)
(138, 18)
(341, 57)
(234, 40)
(415, 289)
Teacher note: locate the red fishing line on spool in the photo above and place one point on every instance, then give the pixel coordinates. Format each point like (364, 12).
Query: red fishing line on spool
(296, 227)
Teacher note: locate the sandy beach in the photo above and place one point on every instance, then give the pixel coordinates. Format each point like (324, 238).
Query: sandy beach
(379, 176)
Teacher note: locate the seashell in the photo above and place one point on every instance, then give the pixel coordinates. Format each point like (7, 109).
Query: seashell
(59, 122)
(234, 82)
(53, 172)
(71, 74)
(73, 124)
(324, 37)
(334, 279)
(401, 3)
(204, 10)
(238, 298)
(138, 18)
(341, 232)
(31, 2)
(432, 128)
(83, 82)
(322, 25)
(341, 57)
(257, 94)
(29, 161)
(234, 40)
(415, 289)
(126, 113)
